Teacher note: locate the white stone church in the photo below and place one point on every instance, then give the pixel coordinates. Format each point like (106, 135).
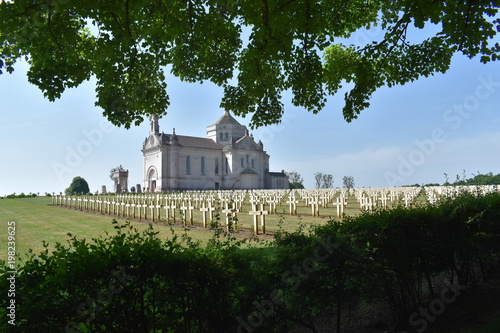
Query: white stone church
(229, 158)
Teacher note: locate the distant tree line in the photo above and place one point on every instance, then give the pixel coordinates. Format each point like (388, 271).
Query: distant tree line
(21, 195)
(322, 180)
(461, 180)
(478, 179)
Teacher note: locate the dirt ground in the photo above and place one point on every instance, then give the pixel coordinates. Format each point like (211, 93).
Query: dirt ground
(474, 310)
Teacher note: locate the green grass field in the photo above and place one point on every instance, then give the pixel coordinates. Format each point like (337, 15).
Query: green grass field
(37, 221)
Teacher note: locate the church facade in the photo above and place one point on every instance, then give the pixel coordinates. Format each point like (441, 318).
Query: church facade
(228, 158)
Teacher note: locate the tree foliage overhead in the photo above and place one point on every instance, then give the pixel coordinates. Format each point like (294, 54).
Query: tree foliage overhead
(292, 46)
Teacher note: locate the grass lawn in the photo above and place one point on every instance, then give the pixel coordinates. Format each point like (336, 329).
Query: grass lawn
(36, 220)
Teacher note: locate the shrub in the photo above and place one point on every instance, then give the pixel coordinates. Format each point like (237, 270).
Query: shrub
(78, 186)
(127, 282)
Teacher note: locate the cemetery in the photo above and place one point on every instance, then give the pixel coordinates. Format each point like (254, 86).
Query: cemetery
(248, 209)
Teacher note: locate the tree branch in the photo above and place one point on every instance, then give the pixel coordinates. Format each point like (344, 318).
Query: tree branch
(467, 18)
(49, 26)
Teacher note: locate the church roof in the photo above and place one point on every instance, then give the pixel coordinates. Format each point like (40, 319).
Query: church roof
(277, 174)
(249, 172)
(246, 143)
(196, 142)
(227, 119)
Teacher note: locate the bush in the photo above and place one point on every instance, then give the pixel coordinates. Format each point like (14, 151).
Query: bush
(78, 186)
(127, 282)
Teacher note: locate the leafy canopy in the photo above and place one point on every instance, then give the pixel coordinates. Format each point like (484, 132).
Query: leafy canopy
(78, 186)
(291, 46)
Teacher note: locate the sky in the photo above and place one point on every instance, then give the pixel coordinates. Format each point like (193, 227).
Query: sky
(411, 134)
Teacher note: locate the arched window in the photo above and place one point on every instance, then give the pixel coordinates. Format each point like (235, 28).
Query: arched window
(253, 163)
(221, 136)
(202, 165)
(188, 165)
(248, 163)
(227, 136)
(216, 166)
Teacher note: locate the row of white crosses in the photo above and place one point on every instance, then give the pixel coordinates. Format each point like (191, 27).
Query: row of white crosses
(258, 200)
(181, 206)
(320, 198)
(436, 193)
(150, 206)
(383, 197)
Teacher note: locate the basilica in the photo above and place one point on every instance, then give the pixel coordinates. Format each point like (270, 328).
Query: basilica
(228, 158)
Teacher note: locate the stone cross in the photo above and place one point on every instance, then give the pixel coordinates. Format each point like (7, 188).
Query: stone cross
(340, 207)
(183, 208)
(383, 200)
(314, 206)
(122, 209)
(272, 204)
(99, 202)
(133, 205)
(228, 212)
(167, 210)
(407, 200)
(368, 203)
(324, 200)
(173, 206)
(230, 215)
(113, 207)
(293, 205)
(211, 210)
(158, 207)
(152, 207)
(107, 203)
(204, 211)
(190, 208)
(254, 200)
(262, 213)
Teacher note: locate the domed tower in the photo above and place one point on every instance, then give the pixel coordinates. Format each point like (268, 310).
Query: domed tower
(226, 129)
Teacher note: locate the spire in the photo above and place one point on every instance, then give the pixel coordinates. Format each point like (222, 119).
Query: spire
(154, 126)
(174, 139)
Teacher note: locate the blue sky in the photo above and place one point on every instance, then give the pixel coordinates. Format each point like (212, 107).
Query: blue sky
(409, 134)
